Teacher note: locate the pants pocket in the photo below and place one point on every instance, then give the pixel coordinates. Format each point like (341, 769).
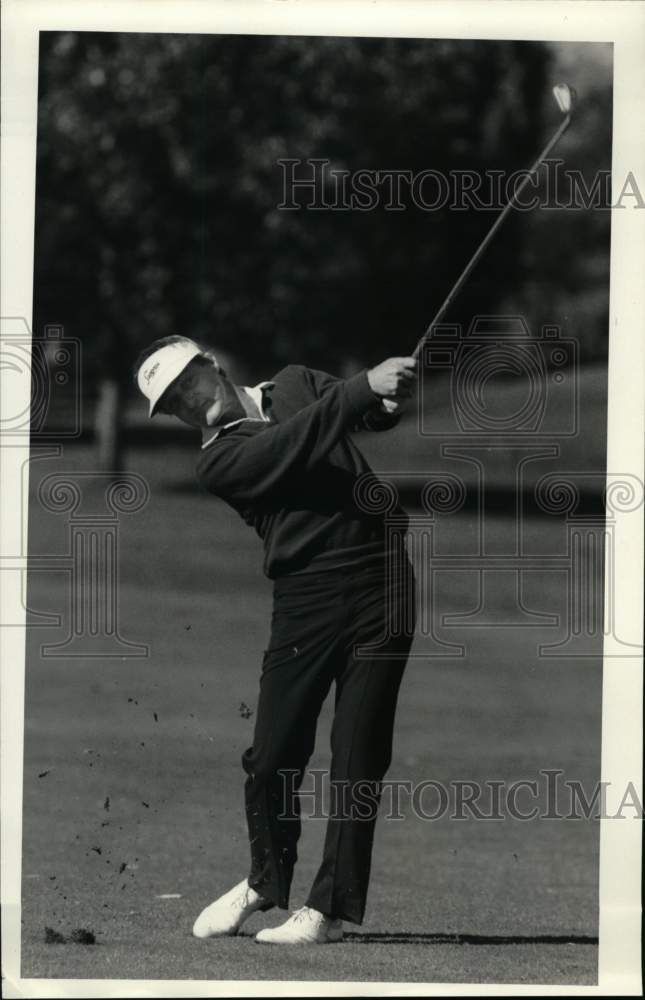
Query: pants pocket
(274, 656)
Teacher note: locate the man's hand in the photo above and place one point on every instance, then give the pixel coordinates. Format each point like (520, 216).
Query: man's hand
(393, 378)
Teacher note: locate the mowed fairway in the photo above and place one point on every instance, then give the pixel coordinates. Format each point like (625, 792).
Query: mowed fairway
(133, 786)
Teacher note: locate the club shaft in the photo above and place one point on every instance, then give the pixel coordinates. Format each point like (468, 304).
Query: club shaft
(467, 271)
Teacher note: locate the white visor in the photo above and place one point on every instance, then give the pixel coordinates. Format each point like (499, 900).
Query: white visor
(163, 367)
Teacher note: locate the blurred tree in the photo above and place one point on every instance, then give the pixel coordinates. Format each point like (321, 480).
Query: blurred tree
(563, 269)
(158, 187)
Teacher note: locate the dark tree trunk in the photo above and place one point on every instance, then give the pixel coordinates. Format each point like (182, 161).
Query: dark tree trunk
(108, 425)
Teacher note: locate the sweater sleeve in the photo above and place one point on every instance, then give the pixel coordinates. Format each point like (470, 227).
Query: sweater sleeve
(248, 468)
(375, 418)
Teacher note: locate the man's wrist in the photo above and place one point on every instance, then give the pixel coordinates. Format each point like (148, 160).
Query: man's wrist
(360, 395)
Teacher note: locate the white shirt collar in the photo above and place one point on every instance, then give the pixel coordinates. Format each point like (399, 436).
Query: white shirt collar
(257, 395)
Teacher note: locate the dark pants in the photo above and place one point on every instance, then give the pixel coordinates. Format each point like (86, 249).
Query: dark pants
(318, 621)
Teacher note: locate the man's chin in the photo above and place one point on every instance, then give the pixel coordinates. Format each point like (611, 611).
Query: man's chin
(213, 414)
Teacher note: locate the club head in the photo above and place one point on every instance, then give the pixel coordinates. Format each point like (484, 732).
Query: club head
(565, 97)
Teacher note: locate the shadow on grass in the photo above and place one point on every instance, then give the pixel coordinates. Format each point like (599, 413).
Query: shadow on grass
(420, 937)
(499, 500)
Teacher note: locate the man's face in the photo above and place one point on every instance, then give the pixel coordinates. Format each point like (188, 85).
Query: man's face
(201, 397)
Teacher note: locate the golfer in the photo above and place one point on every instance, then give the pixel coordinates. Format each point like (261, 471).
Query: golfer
(280, 453)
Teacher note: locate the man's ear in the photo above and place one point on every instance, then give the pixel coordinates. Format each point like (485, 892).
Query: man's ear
(211, 357)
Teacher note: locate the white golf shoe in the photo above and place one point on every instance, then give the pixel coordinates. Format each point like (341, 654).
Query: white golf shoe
(227, 914)
(304, 926)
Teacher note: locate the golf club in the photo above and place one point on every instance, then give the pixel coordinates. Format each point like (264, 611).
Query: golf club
(565, 97)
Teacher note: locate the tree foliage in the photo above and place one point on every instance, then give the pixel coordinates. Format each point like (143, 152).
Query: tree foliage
(159, 181)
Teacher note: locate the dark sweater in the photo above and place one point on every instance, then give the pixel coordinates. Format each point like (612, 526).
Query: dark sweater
(293, 480)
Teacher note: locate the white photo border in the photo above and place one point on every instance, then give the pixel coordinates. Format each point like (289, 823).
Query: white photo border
(621, 23)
